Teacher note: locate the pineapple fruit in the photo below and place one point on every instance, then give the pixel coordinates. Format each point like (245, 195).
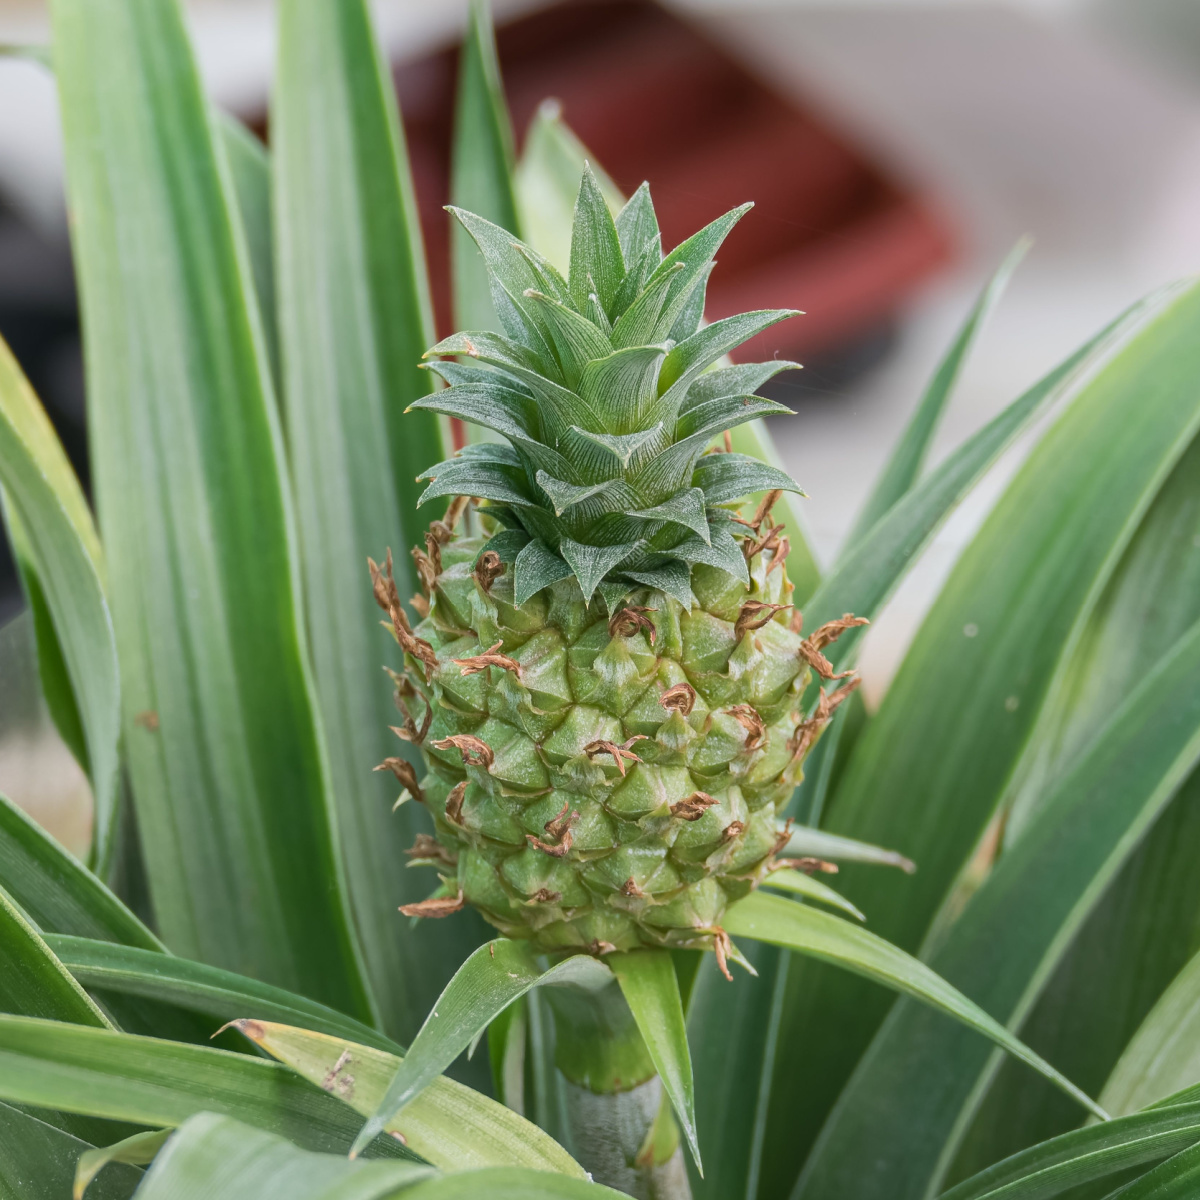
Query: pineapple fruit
(607, 678)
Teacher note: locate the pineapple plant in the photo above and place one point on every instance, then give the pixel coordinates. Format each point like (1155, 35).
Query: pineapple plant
(606, 672)
(606, 697)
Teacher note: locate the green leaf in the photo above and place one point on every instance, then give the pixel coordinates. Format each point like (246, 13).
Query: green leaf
(536, 567)
(56, 891)
(871, 568)
(147, 1081)
(63, 571)
(650, 988)
(596, 261)
(137, 1150)
(808, 888)
(510, 1183)
(547, 184)
(449, 1125)
(507, 1037)
(934, 762)
(355, 319)
(1096, 1152)
(210, 1156)
(32, 981)
(127, 971)
(1164, 1055)
(806, 842)
(589, 564)
(489, 981)
(812, 932)
(220, 728)
(481, 169)
(1003, 947)
(1146, 920)
(250, 170)
(904, 465)
(37, 1162)
(725, 477)
(1176, 1179)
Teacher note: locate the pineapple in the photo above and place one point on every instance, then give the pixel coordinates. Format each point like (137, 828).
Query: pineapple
(607, 678)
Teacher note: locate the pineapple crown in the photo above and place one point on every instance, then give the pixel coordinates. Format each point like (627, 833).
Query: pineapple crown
(601, 385)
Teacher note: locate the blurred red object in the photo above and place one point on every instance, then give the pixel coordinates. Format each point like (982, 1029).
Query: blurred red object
(654, 99)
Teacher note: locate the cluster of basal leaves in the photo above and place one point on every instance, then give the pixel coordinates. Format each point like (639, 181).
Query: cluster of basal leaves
(213, 647)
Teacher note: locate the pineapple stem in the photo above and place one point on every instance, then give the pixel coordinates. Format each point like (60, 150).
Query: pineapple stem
(618, 1119)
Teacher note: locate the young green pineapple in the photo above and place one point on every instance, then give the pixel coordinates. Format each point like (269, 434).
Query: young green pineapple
(608, 689)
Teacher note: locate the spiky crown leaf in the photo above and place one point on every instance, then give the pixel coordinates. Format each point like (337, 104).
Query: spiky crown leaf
(601, 386)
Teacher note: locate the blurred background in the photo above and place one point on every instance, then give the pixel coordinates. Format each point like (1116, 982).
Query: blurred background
(895, 149)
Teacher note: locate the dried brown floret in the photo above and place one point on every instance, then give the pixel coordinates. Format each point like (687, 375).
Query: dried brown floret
(722, 947)
(488, 569)
(429, 848)
(454, 802)
(680, 698)
(434, 907)
(733, 830)
(489, 658)
(625, 622)
(475, 751)
(754, 615)
(693, 807)
(406, 773)
(747, 717)
(619, 752)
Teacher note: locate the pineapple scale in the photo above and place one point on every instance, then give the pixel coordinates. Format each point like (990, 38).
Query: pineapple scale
(602, 781)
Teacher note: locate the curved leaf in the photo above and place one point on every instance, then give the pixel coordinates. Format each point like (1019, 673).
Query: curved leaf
(907, 1105)
(650, 988)
(355, 319)
(211, 1156)
(812, 932)
(448, 1124)
(56, 891)
(933, 764)
(137, 1150)
(483, 987)
(128, 971)
(32, 981)
(146, 1081)
(61, 565)
(904, 465)
(220, 728)
(808, 888)
(1085, 1155)
(1164, 1055)
(508, 1183)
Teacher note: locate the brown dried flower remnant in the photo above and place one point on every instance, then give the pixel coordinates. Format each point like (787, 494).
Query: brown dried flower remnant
(489, 658)
(754, 615)
(429, 849)
(693, 807)
(544, 896)
(747, 717)
(806, 732)
(722, 947)
(454, 802)
(488, 569)
(619, 752)
(733, 830)
(475, 751)
(811, 647)
(559, 830)
(631, 889)
(763, 510)
(406, 773)
(680, 698)
(625, 622)
(388, 598)
(434, 907)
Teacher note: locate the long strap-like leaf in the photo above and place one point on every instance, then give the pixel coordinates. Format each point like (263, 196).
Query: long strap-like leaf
(448, 1124)
(62, 569)
(916, 1088)
(354, 320)
(229, 774)
(933, 764)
